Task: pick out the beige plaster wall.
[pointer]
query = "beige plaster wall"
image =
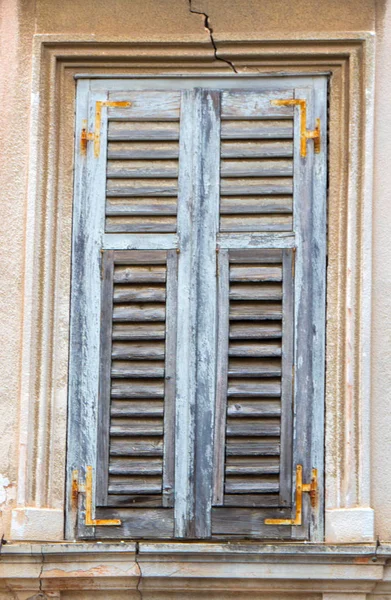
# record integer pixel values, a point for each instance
(16, 30)
(381, 357)
(171, 19)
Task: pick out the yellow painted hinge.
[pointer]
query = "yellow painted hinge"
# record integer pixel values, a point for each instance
(86, 488)
(86, 136)
(305, 134)
(311, 488)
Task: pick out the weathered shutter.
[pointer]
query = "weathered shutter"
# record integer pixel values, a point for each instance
(124, 311)
(269, 324)
(198, 294)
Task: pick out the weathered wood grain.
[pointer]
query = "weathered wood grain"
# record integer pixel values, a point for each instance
(139, 331)
(254, 311)
(140, 130)
(143, 293)
(137, 408)
(254, 330)
(252, 427)
(146, 105)
(254, 273)
(237, 485)
(134, 388)
(134, 350)
(231, 205)
(221, 375)
(116, 207)
(143, 311)
(256, 223)
(249, 186)
(252, 466)
(150, 485)
(104, 378)
(250, 522)
(253, 104)
(150, 187)
(250, 130)
(253, 367)
(265, 167)
(150, 149)
(252, 447)
(130, 427)
(255, 291)
(136, 447)
(132, 273)
(170, 379)
(129, 369)
(136, 466)
(255, 349)
(133, 224)
(128, 169)
(252, 149)
(254, 387)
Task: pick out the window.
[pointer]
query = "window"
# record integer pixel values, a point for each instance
(198, 306)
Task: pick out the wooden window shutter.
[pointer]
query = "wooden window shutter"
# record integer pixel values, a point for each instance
(198, 308)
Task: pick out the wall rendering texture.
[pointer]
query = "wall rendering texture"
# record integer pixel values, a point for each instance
(172, 20)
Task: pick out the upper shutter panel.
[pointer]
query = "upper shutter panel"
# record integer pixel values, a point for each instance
(256, 164)
(142, 164)
(137, 387)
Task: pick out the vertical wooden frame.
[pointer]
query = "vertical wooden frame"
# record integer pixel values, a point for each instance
(103, 438)
(310, 277)
(222, 358)
(287, 366)
(170, 378)
(88, 228)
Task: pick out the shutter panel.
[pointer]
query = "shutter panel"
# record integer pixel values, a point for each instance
(256, 166)
(266, 187)
(142, 164)
(253, 445)
(137, 385)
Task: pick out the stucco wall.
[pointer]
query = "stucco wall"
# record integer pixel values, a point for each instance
(381, 356)
(172, 20)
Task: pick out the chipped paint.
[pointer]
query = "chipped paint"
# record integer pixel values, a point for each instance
(4, 483)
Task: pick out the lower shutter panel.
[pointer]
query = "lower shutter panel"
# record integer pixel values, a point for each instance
(137, 382)
(254, 394)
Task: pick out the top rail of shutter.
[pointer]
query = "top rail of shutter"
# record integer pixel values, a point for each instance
(147, 106)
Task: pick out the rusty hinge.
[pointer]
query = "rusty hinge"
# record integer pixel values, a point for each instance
(86, 488)
(95, 136)
(305, 134)
(311, 488)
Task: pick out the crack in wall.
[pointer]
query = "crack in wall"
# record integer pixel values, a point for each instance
(212, 40)
(140, 573)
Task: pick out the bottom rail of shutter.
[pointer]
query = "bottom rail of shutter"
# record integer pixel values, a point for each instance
(136, 523)
(250, 522)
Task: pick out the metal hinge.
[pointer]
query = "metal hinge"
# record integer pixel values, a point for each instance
(86, 488)
(311, 488)
(305, 134)
(87, 136)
